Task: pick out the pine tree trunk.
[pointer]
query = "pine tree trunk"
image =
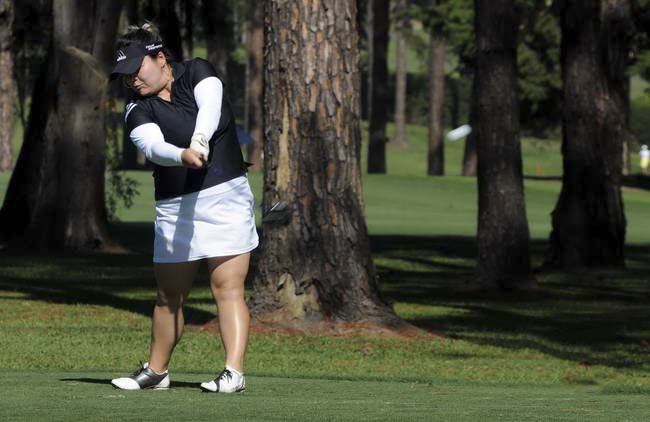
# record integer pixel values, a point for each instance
(470, 160)
(503, 237)
(401, 22)
(255, 84)
(378, 31)
(8, 90)
(436, 154)
(218, 34)
(185, 12)
(588, 220)
(55, 198)
(318, 266)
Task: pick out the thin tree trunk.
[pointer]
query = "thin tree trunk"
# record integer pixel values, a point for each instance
(378, 32)
(503, 237)
(132, 11)
(170, 28)
(588, 220)
(55, 198)
(626, 140)
(185, 12)
(401, 23)
(255, 84)
(317, 266)
(218, 25)
(8, 89)
(451, 85)
(470, 160)
(436, 154)
(132, 157)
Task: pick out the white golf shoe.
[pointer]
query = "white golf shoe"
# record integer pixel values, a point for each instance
(228, 381)
(143, 378)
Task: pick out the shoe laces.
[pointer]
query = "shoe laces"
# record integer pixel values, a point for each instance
(225, 375)
(139, 370)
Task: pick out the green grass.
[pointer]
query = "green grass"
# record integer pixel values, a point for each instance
(577, 350)
(280, 399)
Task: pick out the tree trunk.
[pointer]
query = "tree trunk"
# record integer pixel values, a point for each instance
(451, 84)
(436, 155)
(8, 89)
(55, 198)
(588, 220)
(185, 12)
(470, 159)
(219, 32)
(132, 157)
(401, 23)
(170, 28)
(503, 237)
(378, 32)
(132, 12)
(255, 84)
(317, 267)
(626, 140)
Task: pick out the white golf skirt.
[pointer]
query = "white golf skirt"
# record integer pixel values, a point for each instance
(217, 221)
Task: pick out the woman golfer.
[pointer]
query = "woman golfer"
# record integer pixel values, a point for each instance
(183, 123)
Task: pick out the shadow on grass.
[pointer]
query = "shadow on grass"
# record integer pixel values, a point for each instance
(590, 317)
(174, 384)
(96, 279)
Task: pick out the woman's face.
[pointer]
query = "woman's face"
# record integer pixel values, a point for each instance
(151, 78)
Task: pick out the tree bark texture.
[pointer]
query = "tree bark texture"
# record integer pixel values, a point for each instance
(8, 90)
(401, 24)
(378, 33)
(55, 198)
(436, 153)
(589, 220)
(318, 266)
(255, 84)
(503, 236)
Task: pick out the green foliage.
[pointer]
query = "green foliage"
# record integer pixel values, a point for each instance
(539, 81)
(538, 60)
(120, 188)
(640, 120)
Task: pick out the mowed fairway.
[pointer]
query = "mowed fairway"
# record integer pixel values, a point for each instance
(576, 350)
(72, 396)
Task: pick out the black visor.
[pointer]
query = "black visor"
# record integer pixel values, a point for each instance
(129, 59)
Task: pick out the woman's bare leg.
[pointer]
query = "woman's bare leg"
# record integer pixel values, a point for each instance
(174, 283)
(227, 275)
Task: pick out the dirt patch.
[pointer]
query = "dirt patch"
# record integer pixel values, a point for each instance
(339, 329)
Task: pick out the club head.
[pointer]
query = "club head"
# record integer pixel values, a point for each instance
(279, 213)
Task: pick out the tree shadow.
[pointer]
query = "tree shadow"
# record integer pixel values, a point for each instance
(594, 316)
(588, 316)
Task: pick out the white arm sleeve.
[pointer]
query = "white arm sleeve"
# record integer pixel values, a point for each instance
(150, 140)
(208, 94)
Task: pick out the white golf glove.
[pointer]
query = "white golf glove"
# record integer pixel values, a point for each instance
(200, 145)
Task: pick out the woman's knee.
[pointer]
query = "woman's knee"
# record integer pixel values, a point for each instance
(228, 291)
(171, 300)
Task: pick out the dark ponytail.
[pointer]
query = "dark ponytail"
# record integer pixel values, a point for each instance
(145, 34)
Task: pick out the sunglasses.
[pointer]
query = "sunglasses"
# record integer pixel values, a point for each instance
(129, 80)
